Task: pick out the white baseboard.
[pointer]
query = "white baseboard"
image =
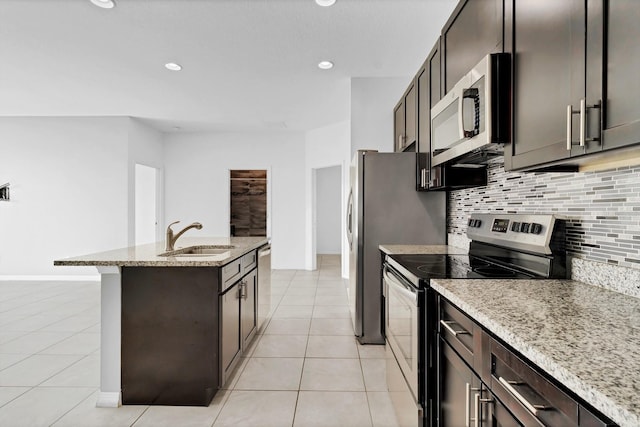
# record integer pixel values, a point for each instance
(24, 278)
(109, 399)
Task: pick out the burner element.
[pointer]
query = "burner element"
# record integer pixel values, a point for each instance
(493, 271)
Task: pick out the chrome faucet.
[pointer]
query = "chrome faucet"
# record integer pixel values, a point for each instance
(171, 238)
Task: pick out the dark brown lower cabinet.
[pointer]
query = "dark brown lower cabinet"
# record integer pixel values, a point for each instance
(184, 330)
(248, 308)
(169, 335)
(230, 338)
(482, 382)
(464, 398)
(497, 414)
(458, 387)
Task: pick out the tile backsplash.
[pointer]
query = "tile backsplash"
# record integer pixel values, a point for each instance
(602, 208)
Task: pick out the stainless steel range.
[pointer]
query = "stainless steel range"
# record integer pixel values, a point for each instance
(503, 246)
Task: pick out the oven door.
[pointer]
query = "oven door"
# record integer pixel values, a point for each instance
(402, 325)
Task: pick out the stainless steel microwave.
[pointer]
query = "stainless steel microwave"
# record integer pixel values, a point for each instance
(474, 117)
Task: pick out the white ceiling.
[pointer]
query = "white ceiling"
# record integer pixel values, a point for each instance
(247, 64)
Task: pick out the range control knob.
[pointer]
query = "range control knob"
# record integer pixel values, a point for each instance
(515, 227)
(535, 228)
(478, 223)
(524, 227)
(471, 222)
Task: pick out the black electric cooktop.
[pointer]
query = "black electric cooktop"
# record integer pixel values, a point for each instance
(433, 266)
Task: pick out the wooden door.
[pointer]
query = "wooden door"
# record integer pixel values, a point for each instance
(248, 214)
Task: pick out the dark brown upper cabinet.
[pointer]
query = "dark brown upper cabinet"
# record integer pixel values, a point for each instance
(546, 39)
(575, 86)
(428, 88)
(613, 61)
(474, 30)
(405, 120)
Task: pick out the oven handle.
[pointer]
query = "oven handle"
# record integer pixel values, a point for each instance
(404, 289)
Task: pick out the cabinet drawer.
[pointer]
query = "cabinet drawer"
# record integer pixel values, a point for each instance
(249, 262)
(458, 330)
(534, 399)
(230, 273)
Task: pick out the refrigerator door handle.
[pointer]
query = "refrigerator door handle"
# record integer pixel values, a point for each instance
(349, 219)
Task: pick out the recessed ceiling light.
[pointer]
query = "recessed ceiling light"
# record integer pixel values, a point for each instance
(105, 4)
(325, 65)
(173, 66)
(325, 3)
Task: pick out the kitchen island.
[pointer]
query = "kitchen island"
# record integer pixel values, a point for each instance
(162, 319)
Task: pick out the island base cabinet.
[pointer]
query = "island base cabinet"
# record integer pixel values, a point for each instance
(231, 344)
(169, 335)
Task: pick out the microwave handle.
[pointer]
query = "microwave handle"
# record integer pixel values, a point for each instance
(471, 93)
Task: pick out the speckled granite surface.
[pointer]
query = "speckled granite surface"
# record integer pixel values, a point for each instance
(147, 255)
(620, 279)
(421, 249)
(586, 337)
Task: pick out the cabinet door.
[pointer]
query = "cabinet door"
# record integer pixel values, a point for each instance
(546, 39)
(405, 119)
(428, 91)
(424, 110)
(248, 307)
(613, 61)
(435, 74)
(410, 116)
(230, 327)
(458, 386)
(398, 126)
(498, 415)
(473, 31)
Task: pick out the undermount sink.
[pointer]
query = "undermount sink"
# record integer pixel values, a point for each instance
(205, 250)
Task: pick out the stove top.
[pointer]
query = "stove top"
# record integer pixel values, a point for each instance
(432, 266)
(503, 246)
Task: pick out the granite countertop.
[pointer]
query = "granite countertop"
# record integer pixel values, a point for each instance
(147, 255)
(586, 337)
(422, 249)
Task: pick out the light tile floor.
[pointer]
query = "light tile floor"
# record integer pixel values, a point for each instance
(304, 368)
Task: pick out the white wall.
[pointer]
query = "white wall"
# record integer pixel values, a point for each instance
(328, 210)
(68, 188)
(372, 102)
(325, 147)
(197, 184)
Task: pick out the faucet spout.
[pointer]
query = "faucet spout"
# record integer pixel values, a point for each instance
(171, 237)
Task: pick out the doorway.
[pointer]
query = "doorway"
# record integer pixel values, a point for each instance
(146, 204)
(328, 215)
(248, 195)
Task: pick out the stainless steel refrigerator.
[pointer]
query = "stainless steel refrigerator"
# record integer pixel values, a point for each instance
(384, 208)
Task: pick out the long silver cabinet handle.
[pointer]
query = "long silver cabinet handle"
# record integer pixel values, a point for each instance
(451, 330)
(476, 401)
(569, 136)
(243, 290)
(570, 113)
(466, 406)
(583, 121)
(532, 408)
(467, 416)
